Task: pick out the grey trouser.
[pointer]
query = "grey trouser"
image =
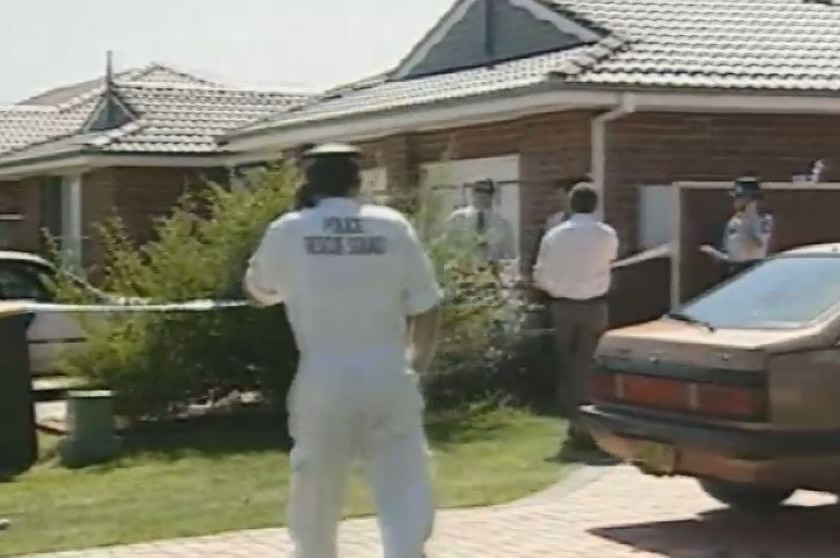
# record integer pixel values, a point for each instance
(578, 326)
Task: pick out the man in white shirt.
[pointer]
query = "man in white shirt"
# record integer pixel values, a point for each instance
(573, 269)
(494, 232)
(357, 284)
(561, 188)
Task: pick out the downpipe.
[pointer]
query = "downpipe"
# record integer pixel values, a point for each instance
(598, 163)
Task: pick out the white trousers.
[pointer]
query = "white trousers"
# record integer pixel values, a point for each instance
(380, 422)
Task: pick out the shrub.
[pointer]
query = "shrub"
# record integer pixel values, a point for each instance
(157, 363)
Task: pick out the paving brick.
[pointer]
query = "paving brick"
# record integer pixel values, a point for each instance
(620, 514)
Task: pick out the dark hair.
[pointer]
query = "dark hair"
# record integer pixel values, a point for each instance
(333, 176)
(584, 199)
(303, 197)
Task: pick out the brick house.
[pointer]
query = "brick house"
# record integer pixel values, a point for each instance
(642, 94)
(128, 144)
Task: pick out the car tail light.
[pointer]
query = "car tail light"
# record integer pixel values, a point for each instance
(653, 392)
(731, 402)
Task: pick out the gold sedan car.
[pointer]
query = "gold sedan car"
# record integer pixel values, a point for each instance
(739, 388)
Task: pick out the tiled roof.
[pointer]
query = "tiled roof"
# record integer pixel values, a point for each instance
(23, 126)
(175, 118)
(760, 45)
(728, 44)
(381, 94)
(185, 119)
(154, 72)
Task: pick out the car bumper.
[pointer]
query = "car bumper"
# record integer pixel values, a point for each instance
(797, 459)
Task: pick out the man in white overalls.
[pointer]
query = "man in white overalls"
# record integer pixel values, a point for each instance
(749, 233)
(357, 285)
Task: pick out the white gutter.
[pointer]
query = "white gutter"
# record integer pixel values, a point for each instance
(598, 152)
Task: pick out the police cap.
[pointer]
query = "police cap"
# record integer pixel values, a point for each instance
(747, 187)
(333, 150)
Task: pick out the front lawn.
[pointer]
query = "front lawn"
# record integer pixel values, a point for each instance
(191, 481)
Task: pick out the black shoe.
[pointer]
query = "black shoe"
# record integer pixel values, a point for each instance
(4, 524)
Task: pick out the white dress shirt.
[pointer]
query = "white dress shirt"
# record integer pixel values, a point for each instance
(554, 220)
(575, 258)
(349, 274)
(497, 236)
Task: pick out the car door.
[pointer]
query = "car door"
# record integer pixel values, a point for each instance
(50, 333)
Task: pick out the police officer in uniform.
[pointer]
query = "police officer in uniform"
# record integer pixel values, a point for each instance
(357, 284)
(748, 233)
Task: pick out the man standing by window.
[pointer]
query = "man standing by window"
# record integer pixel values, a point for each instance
(493, 232)
(573, 269)
(560, 197)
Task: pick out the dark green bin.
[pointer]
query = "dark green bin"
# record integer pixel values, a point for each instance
(18, 439)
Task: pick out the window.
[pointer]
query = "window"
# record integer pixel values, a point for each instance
(656, 215)
(450, 181)
(374, 185)
(8, 229)
(20, 281)
(782, 293)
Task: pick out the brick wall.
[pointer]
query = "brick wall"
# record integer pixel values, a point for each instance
(802, 216)
(551, 147)
(642, 149)
(137, 194)
(662, 148)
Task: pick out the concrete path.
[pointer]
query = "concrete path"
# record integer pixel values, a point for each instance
(615, 513)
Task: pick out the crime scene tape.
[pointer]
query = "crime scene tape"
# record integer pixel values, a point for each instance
(654, 253)
(188, 306)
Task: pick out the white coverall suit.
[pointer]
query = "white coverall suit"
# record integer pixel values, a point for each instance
(350, 275)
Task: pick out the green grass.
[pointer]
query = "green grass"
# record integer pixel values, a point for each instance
(187, 481)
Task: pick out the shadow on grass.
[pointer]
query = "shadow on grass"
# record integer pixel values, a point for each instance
(221, 436)
(209, 436)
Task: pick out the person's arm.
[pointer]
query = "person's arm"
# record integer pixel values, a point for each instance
(542, 269)
(421, 298)
(262, 280)
(424, 331)
(613, 245)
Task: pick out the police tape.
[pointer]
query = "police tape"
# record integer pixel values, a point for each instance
(188, 306)
(660, 252)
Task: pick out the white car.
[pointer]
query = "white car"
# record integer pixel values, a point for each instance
(25, 278)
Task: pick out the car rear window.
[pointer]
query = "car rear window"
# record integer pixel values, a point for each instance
(788, 292)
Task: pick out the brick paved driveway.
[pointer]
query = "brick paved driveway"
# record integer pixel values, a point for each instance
(617, 514)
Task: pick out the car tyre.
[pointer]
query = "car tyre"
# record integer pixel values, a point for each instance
(746, 497)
